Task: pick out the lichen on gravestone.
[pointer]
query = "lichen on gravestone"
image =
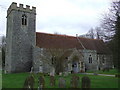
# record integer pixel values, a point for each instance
(61, 82)
(29, 83)
(75, 83)
(86, 82)
(52, 81)
(41, 81)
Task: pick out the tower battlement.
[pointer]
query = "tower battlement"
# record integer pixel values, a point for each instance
(14, 6)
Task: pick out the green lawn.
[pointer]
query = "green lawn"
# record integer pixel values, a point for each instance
(17, 80)
(0, 79)
(111, 72)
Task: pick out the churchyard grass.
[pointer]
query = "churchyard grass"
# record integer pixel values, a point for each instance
(111, 72)
(17, 81)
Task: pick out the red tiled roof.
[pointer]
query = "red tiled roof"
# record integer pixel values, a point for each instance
(44, 40)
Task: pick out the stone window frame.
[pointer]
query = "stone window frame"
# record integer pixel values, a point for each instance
(103, 59)
(24, 19)
(53, 59)
(90, 59)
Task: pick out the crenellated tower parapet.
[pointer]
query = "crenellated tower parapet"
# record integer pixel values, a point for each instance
(14, 6)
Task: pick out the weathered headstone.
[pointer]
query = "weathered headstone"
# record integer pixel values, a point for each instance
(60, 73)
(5, 71)
(31, 70)
(86, 82)
(52, 73)
(40, 69)
(41, 82)
(61, 82)
(75, 81)
(65, 73)
(52, 80)
(29, 83)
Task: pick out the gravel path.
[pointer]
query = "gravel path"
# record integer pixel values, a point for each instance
(99, 74)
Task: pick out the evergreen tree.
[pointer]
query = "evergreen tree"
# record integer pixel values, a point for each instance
(111, 24)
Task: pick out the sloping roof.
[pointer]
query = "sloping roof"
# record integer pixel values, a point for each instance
(44, 40)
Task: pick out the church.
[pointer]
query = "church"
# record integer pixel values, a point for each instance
(28, 50)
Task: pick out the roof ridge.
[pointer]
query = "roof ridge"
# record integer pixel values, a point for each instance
(47, 40)
(67, 36)
(56, 34)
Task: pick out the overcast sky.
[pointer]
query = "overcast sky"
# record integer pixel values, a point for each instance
(69, 17)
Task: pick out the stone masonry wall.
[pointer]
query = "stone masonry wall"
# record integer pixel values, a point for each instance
(41, 60)
(20, 39)
(94, 64)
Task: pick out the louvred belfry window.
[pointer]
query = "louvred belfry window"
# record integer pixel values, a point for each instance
(24, 19)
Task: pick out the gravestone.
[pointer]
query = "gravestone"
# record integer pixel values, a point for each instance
(29, 83)
(52, 73)
(52, 80)
(61, 82)
(31, 70)
(65, 73)
(40, 69)
(75, 81)
(60, 73)
(105, 69)
(41, 82)
(86, 82)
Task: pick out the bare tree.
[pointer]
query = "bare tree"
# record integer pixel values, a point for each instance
(3, 46)
(108, 23)
(89, 34)
(111, 25)
(56, 58)
(60, 59)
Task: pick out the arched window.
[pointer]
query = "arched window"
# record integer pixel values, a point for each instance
(103, 59)
(24, 19)
(53, 60)
(90, 59)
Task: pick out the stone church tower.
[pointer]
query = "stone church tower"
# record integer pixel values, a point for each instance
(21, 35)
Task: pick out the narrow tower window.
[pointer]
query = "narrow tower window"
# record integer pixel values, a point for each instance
(24, 19)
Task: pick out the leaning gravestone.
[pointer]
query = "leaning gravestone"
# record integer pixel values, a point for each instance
(75, 81)
(41, 82)
(61, 82)
(29, 83)
(52, 80)
(86, 82)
